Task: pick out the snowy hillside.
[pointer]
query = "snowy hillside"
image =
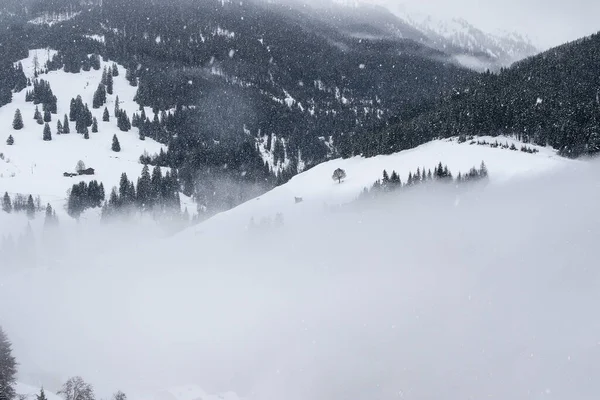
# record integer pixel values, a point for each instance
(34, 166)
(318, 191)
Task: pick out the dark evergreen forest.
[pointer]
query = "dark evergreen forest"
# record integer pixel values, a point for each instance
(229, 80)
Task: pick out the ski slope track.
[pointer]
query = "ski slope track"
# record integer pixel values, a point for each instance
(33, 166)
(318, 191)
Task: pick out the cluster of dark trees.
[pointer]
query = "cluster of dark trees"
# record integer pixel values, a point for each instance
(42, 94)
(83, 196)
(82, 116)
(123, 121)
(21, 203)
(496, 144)
(155, 193)
(439, 173)
(106, 86)
(12, 79)
(550, 99)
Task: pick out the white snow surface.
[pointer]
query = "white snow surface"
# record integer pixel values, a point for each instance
(319, 191)
(53, 18)
(33, 166)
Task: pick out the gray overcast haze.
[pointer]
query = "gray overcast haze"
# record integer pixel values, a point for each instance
(548, 23)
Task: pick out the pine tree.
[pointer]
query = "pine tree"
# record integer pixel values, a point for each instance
(8, 368)
(87, 115)
(95, 125)
(30, 207)
(86, 134)
(117, 107)
(116, 146)
(99, 96)
(144, 186)
(106, 116)
(104, 75)
(6, 203)
(49, 221)
(42, 395)
(10, 141)
(73, 111)
(18, 120)
(115, 70)
(47, 133)
(36, 115)
(109, 83)
(66, 128)
(483, 172)
(59, 128)
(47, 116)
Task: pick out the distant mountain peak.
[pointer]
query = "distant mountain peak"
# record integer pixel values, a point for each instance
(470, 45)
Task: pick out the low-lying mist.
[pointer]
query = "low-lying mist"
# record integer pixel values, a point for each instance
(488, 293)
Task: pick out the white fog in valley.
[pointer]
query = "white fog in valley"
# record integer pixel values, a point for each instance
(489, 291)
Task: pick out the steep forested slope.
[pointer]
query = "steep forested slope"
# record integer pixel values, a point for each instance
(552, 99)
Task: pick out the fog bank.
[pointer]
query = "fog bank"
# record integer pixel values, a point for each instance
(490, 291)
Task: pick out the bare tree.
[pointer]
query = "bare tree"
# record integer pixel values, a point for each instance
(339, 175)
(80, 166)
(77, 389)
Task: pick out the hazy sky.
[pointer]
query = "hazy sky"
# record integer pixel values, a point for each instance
(547, 22)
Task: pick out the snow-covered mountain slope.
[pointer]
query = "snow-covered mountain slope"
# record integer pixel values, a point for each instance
(34, 166)
(502, 48)
(318, 191)
(471, 46)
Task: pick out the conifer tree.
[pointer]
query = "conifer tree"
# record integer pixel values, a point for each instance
(99, 96)
(36, 115)
(87, 116)
(117, 107)
(86, 134)
(8, 368)
(115, 70)
(73, 111)
(47, 116)
(30, 207)
(109, 83)
(483, 172)
(66, 128)
(104, 74)
(10, 141)
(6, 203)
(144, 186)
(42, 395)
(59, 128)
(18, 120)
(47, 133)
(106, 116)
(94, 125)
(116, 146)
(49, 221)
